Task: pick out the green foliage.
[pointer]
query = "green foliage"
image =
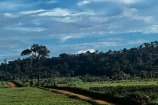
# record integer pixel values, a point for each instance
(139, 97)
(78, 82)
(140, 94)
(124, 64)
(3, 84)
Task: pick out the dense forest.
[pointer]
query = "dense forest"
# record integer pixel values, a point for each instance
(137, 62)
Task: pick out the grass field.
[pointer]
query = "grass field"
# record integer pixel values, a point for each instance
(3, 85)
(126, 83)
(35, 96)
(143, 91)
(76, 82)
(87, 85)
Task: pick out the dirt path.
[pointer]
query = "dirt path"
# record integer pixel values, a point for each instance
(11, 85)
(82, 96)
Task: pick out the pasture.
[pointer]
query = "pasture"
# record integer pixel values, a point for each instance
(143, 91)
(115, 83)
(76, 82)
(3, 85)
(35, 96)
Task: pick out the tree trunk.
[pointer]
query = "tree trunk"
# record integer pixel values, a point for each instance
(39, 67)
(38, 77)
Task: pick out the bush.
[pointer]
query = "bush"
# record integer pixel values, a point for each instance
(140, 98)
(140, 94)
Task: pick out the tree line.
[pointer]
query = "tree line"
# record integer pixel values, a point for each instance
(137, 62)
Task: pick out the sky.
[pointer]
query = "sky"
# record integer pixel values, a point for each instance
(75, 26)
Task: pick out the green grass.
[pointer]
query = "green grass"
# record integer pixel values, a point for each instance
(35, 96)
(77, 82)
(87, 85)
(96, 84)
(3, 85)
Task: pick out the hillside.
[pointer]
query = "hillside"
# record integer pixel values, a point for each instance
(140, 61)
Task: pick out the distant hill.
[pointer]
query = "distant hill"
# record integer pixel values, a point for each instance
(140, 61)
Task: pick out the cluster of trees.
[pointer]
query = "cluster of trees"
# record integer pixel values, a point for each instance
(140, 61)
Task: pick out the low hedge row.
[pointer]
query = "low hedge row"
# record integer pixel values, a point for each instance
(97, 95)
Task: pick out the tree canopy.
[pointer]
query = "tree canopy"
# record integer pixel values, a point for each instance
(36, 51)
(141, 61)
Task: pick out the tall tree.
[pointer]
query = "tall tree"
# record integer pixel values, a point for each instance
(37, 52)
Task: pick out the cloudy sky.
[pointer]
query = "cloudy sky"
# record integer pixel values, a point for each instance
(75, 26)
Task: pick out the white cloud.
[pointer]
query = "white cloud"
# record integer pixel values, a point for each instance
(128, 1)
(72, 17)
(20, 24)
(32, 11)
(99, 19)
(90, 19)
(139, 41)
(52, 1)
(9, 15)
(128, 12)
(83, 13)
(63, 39)
(67, 19)
(147, 19)
(97, 44)
(112, 39)
(84, 51)
(103, 19)
(151, 29)
(6, 5)
(132, 13)
(83, 47)
(83, 2)
(26, 29)
(64, 13)
(56, 12)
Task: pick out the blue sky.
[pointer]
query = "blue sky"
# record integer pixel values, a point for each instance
(75, 26)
